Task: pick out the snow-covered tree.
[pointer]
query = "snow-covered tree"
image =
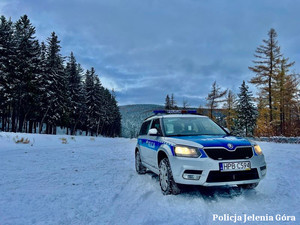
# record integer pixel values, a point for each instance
(57, 92)
(25, 81)
(246, 112)
(36, 89)
(7, 57)
(75, 90)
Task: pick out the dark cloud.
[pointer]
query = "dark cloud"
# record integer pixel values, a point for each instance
(147, 49)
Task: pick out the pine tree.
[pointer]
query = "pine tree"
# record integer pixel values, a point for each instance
(267, 67)
(7, 65)
(43, 85)
(173, 103)
(89, 100)
(167, 102)
(246, 113)
(214, 97)
(101, 115)
(26, 72)
(35, 87)
(96, 105)
(56, 85)
(75, 91)
(115, 122)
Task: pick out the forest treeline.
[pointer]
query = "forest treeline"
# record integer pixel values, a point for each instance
(41, 90)
(276, 109)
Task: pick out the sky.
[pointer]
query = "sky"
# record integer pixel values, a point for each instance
(146, 49)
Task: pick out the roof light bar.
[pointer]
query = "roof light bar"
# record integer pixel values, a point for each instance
(175, 111)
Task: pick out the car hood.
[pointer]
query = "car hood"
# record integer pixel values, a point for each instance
(213, 141)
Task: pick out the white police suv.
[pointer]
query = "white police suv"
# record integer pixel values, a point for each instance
(186, 148)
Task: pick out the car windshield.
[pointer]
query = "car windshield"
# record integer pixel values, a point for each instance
(191, 126)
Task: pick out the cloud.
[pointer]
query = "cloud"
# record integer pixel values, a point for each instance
(147, 49)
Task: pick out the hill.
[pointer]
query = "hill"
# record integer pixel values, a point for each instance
(133, 116)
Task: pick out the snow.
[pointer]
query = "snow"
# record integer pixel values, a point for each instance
(93, 181)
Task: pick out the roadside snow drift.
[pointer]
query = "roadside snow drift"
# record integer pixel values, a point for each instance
(86, 180)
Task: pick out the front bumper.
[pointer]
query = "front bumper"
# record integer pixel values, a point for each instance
(211, 175)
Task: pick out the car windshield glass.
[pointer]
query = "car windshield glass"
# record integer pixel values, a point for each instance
(191, 126)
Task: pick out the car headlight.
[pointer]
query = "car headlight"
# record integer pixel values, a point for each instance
(258, 150)
(186, 151)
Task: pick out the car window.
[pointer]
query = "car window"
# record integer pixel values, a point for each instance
(156, 124)
(145, 128)
(191, 126)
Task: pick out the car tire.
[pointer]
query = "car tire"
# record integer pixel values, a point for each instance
(166, 181)
(140, 169)
(248, 186)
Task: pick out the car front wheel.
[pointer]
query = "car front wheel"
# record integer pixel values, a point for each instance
(167, 183)
(140, 169)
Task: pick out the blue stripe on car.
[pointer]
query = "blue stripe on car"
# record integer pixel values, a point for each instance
(154, 145)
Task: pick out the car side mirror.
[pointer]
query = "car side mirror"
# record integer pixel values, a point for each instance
(153, 132)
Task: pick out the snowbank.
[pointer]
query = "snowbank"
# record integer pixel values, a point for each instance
(93, 181)
(280, 139)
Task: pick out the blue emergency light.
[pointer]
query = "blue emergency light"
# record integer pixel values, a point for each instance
(175, 112)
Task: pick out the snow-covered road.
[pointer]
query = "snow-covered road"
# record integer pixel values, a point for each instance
(93, 181)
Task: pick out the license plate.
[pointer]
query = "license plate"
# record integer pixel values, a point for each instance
(235, 166)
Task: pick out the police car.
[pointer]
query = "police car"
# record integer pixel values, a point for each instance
(186, 148)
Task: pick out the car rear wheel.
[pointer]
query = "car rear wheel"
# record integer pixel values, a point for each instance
(166, 181)
(248, 186)
(140, 169)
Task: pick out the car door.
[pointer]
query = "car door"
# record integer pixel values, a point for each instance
(154, 142)
(143, 141)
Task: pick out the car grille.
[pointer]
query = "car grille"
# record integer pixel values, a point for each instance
(222, 153)
(217, 176)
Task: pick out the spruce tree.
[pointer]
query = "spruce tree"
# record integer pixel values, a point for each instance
(35, 87)
(75, 91)
(167, 102)
(97, 111)
(116, 122)
(43, 84)
(56, 85)
(89, 100)
(173, 103)
(246, 112)
(26, 71)
(7, 66)
(101, 114)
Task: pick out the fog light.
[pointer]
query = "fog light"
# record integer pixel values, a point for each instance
(191, 176)
(263, 170)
